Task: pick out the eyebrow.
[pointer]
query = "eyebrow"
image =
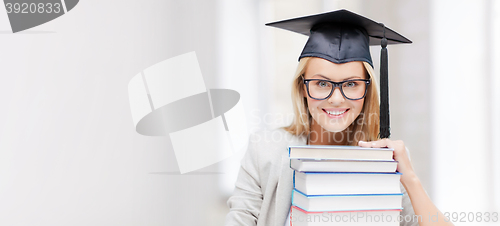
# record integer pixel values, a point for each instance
(326, 78)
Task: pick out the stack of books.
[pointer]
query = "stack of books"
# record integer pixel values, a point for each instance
(344, 185)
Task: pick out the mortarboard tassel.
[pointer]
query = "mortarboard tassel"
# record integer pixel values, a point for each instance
(385, 130)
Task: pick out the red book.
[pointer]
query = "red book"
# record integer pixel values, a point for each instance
(300, 217)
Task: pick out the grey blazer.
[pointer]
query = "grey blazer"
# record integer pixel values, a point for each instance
(263, 190)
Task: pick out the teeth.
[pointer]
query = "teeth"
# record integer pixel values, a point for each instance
(335, 112)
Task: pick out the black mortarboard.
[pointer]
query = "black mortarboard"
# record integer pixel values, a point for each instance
(342, 36)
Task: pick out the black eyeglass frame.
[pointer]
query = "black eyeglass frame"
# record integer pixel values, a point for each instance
(336, 84)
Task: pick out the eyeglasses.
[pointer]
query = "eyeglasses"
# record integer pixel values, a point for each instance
(320, 89)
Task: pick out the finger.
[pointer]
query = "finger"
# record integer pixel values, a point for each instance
(364, 144)
(374, 144)
(380, 143)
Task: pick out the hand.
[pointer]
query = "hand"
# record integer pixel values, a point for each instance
(404, 163)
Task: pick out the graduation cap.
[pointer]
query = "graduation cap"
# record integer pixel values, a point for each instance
(342, 36)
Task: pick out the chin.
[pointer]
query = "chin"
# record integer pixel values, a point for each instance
(334, 129)
(335, 125)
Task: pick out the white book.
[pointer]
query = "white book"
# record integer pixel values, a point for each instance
(339, 152)
(328, 183)
(329, 165)
(321, 203)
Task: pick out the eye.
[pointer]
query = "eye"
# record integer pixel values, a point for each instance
(322, 84)
(350, 84)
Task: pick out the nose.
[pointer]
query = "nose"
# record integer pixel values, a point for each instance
(336, 96)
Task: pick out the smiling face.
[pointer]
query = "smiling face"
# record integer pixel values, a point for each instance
(336, 113)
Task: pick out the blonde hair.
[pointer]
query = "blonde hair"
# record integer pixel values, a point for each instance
(365, 127)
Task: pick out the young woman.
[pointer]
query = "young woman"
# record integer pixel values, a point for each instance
(335, 102)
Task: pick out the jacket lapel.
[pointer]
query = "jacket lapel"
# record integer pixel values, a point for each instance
(285, 184)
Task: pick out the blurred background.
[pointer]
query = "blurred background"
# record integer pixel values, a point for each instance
(69, 153)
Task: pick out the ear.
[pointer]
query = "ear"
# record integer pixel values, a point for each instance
(303, 91)
(368, 68)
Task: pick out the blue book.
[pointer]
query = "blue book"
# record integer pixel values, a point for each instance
(337, 183)
(339, 152)
(346, 202)
(335, 165)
